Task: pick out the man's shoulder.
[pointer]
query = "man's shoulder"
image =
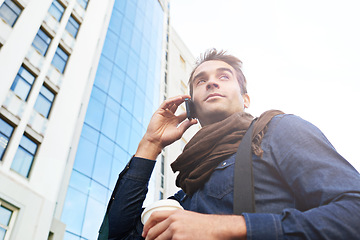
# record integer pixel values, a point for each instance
(287, 122)
(284, 126)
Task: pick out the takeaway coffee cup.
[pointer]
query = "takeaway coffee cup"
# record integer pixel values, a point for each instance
(162, 205)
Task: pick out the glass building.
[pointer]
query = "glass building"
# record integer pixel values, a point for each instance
(124, 95)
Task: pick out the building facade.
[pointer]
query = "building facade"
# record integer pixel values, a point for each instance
(80, 80)
(47, 58)
(124, 95)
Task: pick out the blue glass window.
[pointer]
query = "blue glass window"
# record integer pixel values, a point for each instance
(5, 216)
(5, 134)
(80, 182)
(98, 192)
(70, 236)
(90, 133)
(83, 3)
(44, 101)
(94, 114)
(109, 48)
(10, 11)
(56, 10)
(23, 83)
(102, 167)
(92, 219)
(60, 59)
(74, 210)
(24, 156)
(85, 157)
(116, 84)
(41, 42)
(110, 121)
(72, 26)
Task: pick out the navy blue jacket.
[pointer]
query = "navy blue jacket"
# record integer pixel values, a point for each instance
(304, 189)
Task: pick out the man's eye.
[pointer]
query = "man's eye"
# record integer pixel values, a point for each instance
(224, 77)
(200, 81)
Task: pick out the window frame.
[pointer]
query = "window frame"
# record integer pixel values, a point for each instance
(45, 97)
(8, 140)
(37, 36)
(59, 56)
(13, 217)
(80, 2)
(26, 150)
(72, 19)
(13, 86)
(57, 8)
(17, 15)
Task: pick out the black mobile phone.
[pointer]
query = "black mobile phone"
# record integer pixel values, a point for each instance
(190, 109)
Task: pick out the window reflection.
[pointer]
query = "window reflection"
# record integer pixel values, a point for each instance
(85, 157)
(10, 12)
(60, 59)
(23, 83)
(5, 217)
(102, 167)
(74, 210)
(56, 10)
(92, 220)
(109, 124)
(44, 101)
(80, 182)
(72, 26)
(24, 157)
(41, 42)
(94, 114)
(98, 192)
(83, 3)
(70, 236)
(6, 131)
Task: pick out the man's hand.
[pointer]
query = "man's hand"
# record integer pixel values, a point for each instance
(181, 224)
(164, 128)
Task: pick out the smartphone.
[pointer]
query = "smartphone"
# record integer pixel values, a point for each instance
(190, 108)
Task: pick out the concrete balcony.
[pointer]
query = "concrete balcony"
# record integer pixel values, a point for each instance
(79, 11)
(68, 40)
(38, 122)
(14, 104)
(23, 3)
(51, 24)
(35, 58)
(5, 31)
(54, 76)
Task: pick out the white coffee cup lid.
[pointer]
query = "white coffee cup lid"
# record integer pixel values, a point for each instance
(164, 204)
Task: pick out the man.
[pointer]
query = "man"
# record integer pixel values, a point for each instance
(303, 188)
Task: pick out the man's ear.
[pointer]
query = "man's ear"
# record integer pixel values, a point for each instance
(246, 98)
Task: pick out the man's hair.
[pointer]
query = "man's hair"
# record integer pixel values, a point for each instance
(213, 54)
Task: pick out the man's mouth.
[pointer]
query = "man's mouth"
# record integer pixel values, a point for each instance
(213, 95)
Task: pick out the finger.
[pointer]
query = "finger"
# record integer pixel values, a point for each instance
(165, 235)
(167, 104)
(173, 108)
(156, 232)
(154, 219)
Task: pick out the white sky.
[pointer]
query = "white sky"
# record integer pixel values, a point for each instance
(301, 57)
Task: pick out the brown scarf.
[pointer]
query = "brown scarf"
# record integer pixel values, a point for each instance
(214, 143)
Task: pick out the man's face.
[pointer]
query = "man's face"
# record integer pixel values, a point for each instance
(216, 92)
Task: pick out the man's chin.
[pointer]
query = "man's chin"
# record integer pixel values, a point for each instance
(212, 116)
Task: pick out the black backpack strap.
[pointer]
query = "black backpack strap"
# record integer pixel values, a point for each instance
(244, 200)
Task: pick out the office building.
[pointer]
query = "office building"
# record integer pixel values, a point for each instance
(80, 80)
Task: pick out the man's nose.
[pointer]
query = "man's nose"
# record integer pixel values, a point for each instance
(212, 84)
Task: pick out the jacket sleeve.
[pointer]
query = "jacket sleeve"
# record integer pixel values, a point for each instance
(325, 186)
(123, 216)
